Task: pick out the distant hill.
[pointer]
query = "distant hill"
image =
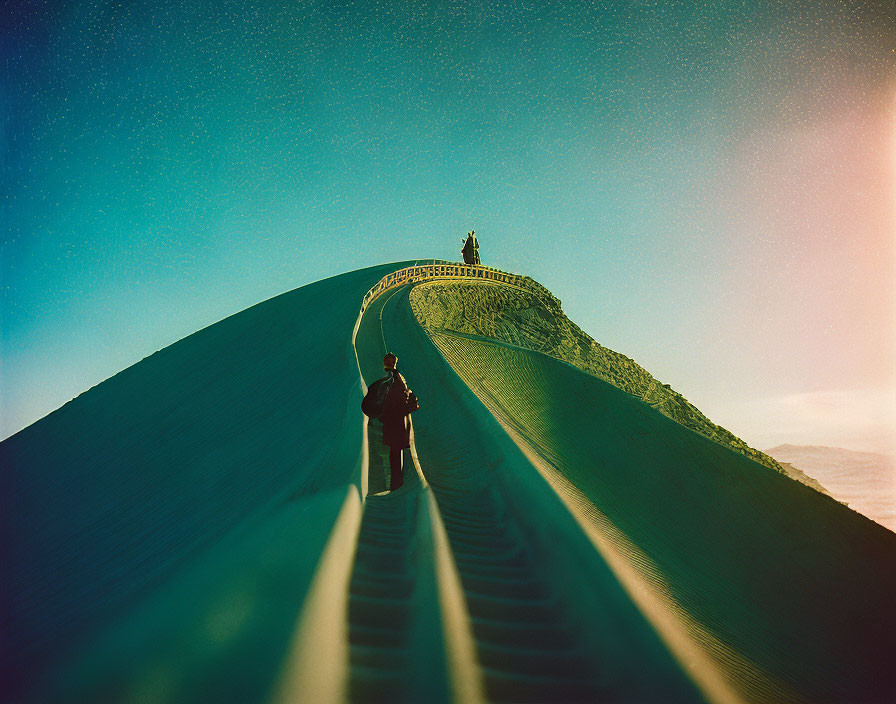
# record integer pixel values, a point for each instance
(865, 481)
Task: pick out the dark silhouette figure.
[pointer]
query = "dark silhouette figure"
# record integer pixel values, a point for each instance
(471, 249)
(396, 419)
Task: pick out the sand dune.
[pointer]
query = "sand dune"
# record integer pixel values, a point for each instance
(212, 525)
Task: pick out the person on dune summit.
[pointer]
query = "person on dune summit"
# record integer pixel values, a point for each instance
(396, 419)
(470, 251)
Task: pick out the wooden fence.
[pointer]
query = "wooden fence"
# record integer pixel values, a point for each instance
(441, 269)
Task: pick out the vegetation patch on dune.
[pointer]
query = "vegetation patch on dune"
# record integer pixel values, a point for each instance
(537, 322)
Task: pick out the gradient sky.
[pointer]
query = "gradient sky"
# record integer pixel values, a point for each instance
(709, 187)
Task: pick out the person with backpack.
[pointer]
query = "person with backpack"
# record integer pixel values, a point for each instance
(391, 401)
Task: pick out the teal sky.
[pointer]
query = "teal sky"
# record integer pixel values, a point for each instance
(709, 187)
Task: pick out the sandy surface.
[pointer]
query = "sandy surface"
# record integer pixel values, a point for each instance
(213, 524)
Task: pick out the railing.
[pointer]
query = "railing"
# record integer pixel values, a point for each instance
(441, 269)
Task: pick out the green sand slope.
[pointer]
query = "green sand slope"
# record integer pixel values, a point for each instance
(789, 592)
(534, 320)
(158, 528)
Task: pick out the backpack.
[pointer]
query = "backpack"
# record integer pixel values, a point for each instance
(375, 398)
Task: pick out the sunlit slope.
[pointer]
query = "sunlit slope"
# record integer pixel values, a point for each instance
(787, 591)
(159, 531)
(550, 621)
(536, 321)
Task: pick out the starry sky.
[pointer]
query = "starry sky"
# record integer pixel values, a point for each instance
(709, 187)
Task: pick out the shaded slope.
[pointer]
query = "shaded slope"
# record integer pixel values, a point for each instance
(550, 621)
(114, 505)
(787, 590)
(537, 322)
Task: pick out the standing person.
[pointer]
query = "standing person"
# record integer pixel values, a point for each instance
(471, 249)
(396, 419)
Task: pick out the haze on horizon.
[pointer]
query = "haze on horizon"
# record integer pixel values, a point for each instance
(708, 189)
